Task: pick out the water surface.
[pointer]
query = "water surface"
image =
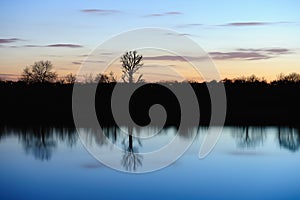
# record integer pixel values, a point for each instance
(246, 163)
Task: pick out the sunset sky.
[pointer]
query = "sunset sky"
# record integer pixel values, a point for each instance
(242, 37)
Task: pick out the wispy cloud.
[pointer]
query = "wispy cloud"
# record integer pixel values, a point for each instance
(76, 63)
(65, 45)
(87, 61)
(276, 51)
(173, 58)
(254, 23)
(32, 45)
(107, 53)
(165, 57)
(234, 24)
(246, 24)
(189, 25)
(180, 34)
(83, 55)
(101, 11)
(56, 45)
(9, 40)
(163, 74)
(172, 13)
(10, 46)
(250, 54)
(238, 55)
(94, 61)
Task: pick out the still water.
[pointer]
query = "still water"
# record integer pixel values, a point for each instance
(246, 163)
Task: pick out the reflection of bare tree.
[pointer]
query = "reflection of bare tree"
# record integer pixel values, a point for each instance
(111, 133)
(94, 135)
(131, 159)
(66, 134)
(249, 137)
(41, 141)
(40, 144)
(289, 138)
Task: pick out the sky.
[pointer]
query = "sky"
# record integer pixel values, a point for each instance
(241, 37)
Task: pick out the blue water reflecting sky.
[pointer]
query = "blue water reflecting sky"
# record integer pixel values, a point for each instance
(253, 163)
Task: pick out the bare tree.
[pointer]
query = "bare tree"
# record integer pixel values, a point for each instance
(280, 77)
(293, 77)
(39, 72)
(26, 75)
(290, 78)
(131, 63)
(101, 78)
(104, 78)
(255, 79)
(112, 77)
(70, 78)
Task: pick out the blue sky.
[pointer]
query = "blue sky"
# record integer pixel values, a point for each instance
(243, 37)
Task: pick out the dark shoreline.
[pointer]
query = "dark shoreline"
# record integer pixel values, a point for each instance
(257, 104)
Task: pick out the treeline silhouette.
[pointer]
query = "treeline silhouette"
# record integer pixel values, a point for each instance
(250, 101)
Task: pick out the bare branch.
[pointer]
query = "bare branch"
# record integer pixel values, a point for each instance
(131, 63)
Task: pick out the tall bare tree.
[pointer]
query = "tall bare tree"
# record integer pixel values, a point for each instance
(131, 63)
(39, 72)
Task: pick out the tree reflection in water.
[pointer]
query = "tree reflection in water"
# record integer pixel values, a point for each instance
(41, 141)
(40, 144)
(131, 158)
(289, 138)
(249, 137)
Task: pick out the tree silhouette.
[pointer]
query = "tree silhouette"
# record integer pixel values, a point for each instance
(246, 79)
(70, 78)
(287, 79)
(104, 78)
(293, 77)
(131, 63)
(40, 72)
